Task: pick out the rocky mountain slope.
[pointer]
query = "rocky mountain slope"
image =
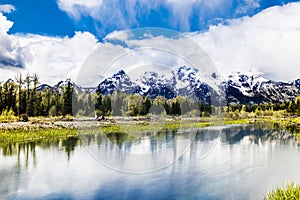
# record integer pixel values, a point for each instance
(186, 81)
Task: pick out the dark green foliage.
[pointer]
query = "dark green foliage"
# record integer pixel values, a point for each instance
(67, 100)
(176, 110)
(23, 98)
(146, 105)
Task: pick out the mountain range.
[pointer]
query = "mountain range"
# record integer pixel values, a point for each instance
(186, 81)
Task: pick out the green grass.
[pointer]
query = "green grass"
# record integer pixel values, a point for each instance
(35, 134)
(22, 135)
(292, 124)
(236, 121)
(148, 127)
(290, 192)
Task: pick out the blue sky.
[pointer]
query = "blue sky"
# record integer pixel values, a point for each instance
(54, 37)
(46, 17)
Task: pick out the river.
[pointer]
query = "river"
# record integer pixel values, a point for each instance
(225, 162)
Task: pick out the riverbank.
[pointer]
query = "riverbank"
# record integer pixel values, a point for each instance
(41, 128)
(77, 123)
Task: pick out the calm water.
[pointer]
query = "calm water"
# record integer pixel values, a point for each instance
(233, 162)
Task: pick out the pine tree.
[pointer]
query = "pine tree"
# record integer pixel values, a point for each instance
(35, 101)
(20, 82)
(146, 105)
(28, 100)
(67, 100)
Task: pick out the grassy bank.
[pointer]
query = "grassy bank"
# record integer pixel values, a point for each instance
(290, 192)
(22, 135)
(40, 128)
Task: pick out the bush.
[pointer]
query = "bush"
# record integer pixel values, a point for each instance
(291, 192)
(8, 116)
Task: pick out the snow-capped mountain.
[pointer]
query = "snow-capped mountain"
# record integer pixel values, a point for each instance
(241, 88)
(186, 81)
(59, 85)
(119, 81)
(297, 83)
(65, 83)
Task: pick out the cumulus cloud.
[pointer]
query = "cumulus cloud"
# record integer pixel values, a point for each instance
(10, 52)
(268, 42)
(55, 59)
(52, 58)
(7, 8)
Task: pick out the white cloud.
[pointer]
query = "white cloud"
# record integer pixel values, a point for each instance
(5, 24)
(78, 7)
(181, 10)
(55, 59)
(268, 42)
(52, 58)
(10, 52)
(7, 8)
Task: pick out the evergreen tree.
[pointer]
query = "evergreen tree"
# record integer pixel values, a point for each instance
(20, 82)
(117, 102)
(27, 103)
(67, 99)
(176, 110)
(35, 99)
(146, 105)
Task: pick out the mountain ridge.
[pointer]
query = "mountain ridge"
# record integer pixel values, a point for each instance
(187, 81)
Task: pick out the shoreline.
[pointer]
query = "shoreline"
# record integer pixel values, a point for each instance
(47, 128)
(76, 123)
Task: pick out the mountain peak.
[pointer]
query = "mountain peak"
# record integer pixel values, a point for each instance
(119, 73)
(239, 87)
(119, 81)
(65, 83)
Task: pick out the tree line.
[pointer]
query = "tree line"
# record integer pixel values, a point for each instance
(22, 97)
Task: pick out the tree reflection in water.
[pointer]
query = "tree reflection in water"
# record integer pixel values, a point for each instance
(256, 133)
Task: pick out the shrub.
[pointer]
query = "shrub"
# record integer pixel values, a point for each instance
(8, 116)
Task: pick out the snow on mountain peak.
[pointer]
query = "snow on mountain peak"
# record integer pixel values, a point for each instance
(187, 81)
(246, 83)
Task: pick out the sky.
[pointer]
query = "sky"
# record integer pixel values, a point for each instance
(55, 38)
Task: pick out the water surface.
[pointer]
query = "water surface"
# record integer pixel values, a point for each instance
(233, 162)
